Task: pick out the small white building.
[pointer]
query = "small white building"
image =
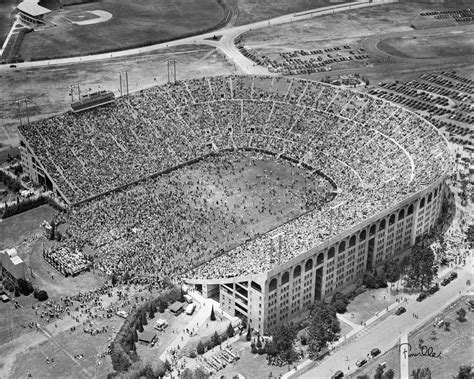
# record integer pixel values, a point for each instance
(11, 264)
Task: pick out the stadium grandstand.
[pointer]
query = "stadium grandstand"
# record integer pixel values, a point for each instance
(388, 166)
(32, 14)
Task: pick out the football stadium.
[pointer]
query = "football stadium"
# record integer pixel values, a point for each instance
(365, 179)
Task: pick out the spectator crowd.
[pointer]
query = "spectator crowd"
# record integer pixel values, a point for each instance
(144, 216)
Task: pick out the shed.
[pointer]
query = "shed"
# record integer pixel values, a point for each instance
(176, 308)
(146, 337)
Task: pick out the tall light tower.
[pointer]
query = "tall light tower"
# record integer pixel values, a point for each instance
(23, 102)
(123, 78)
(171, 63)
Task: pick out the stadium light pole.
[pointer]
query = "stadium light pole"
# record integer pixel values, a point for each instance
(336, 207)
(123, 78)
(171, 64)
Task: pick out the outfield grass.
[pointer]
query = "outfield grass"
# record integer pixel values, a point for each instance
(133, 23)
(455, 345)
(430, 46)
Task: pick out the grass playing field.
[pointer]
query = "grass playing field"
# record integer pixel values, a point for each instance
(133, 23)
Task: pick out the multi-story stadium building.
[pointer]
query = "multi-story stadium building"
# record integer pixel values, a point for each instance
(388, 166)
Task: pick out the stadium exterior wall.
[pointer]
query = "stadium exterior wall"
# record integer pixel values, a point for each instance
(337, 265)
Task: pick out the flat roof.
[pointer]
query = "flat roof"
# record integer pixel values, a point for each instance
(32, 8)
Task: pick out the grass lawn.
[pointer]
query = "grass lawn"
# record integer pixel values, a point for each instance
(16, 229)
(257, 10)
(391, 359)
(368, 303)
(250, 365)
(455, 345)
(133, 23)
(7, 8)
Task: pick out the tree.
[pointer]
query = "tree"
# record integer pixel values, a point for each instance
(42, 295)
(143, 317)
(369, 281)
(259, 343)
(340, 302)
(421, 373)
(248, 337)
(465, 372)
(324, 327)
(199, 373)
(282, 344)
(379, 372)
(392, 270)
(152, 311)
(200, 348)
(162, 306)
(461, 315)
(17, 291)
(390, 374)
(213, 316)
(230, 331)
(187, 374)
(140, 325)
(215, 339)
(447, 324)
(423, 268)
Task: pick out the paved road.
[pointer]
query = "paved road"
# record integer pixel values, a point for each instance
(388, 332)
(225, 44)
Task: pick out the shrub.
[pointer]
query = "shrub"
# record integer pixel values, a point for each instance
(192, 354)
(42, 295)
(230, 331)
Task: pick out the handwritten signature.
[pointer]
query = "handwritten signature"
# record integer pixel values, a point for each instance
(425, 351)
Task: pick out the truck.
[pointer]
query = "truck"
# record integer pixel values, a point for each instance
(190, 309)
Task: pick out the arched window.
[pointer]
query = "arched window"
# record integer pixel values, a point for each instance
(273, 284)
(331, 252)
(308, 265)
(391, 220)
(362, 235)
(352, 241)
(429, 198)
(382, 225)
(285, 278)
(320, 259)
(297, 271)
(372, 230)
(410, 209)
(422, 203)
(342, 246)
(401, 214)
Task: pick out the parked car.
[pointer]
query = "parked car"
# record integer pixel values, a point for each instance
(361, 362)
(422, 296)
(445, 282)
(434, 288)
(400, 310)
(338, 375)
(453, 275)
(375, 351)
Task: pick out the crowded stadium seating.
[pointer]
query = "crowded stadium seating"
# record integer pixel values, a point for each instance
(375, 152)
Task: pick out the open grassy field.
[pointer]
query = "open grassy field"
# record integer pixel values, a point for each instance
(7, 8)
(250, 11)
(133, 23)
(454, 345)
(48, 86)
(430, 45)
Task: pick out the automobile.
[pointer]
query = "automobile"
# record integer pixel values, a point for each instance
(13, 66)
(400, 310)
(453, 275)
(337, 375)
(421, 296)
(434, 288)
(445, 282)
(361, 362)
(375, 351)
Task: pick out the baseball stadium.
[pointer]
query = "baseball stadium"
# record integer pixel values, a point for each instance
(266, 193)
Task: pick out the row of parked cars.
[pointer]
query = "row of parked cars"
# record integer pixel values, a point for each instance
(360, 362)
